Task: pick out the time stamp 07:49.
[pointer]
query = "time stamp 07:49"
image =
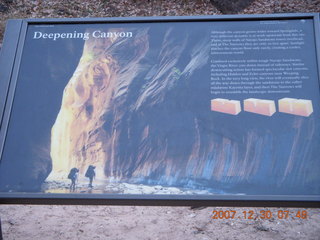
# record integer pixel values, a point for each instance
(262, 214)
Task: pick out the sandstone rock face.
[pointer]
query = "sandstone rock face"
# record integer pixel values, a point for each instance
(78, 135)
(139, 110)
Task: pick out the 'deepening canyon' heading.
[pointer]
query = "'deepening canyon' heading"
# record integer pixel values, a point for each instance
(81, 35)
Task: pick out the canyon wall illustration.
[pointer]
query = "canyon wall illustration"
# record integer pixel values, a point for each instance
(139, 110)
(139, 107)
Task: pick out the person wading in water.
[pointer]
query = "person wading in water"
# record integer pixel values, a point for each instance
(90, 173)
(73, 176)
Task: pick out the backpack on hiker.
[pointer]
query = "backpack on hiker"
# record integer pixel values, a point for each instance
(90, 172)
(73, 173)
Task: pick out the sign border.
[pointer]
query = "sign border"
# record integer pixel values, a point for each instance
(10, 59)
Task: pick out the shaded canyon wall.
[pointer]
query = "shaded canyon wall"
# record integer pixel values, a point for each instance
(139, 110)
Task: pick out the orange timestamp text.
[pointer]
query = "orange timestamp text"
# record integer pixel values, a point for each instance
(262, 214)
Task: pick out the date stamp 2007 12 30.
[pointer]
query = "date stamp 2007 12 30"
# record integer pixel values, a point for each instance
(262, 214)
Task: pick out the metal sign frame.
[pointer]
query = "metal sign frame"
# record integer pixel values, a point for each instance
(10, 60)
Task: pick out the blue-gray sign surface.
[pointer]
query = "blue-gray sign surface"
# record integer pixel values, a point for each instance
(185, 108)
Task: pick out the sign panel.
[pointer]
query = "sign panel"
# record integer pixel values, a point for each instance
(195, 109)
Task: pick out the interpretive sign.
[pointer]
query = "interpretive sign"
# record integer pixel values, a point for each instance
(174, 110)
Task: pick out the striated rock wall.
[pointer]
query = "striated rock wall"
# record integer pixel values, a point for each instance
(78, 138)
(141, 113)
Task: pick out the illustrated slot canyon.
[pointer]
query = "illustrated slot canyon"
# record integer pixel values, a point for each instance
(136, 104)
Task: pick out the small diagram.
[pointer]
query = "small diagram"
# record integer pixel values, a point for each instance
(259, 106)
(226, 106)
(300, 107)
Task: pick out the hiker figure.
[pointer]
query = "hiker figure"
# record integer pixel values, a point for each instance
(90, 174)
(73, 176)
